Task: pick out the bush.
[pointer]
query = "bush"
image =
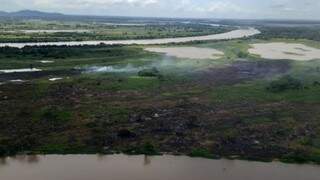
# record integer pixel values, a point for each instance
(3, 150)
(55, 116)
(146, 149)
(242, 54)
(285, 83)
(149, 149)
(202, 153)
(125, 133)
(153, 72)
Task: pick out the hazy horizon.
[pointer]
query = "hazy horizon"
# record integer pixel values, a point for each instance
(231, 9)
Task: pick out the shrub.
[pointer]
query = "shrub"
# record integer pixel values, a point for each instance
(242, 54)
(153, 72)
(285, 83)
(149, 149)
(202, 153)
(53, 115)
(125, 133)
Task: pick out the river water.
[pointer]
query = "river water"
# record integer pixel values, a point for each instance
(240, 33)
(122, 167)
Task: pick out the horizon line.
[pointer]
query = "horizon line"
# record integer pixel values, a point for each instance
(163, 17)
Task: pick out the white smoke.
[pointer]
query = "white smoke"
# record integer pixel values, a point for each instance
(114, 69)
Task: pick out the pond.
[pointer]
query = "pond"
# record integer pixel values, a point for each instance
(122, 167)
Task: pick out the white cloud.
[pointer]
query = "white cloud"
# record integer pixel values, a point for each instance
(91, 3)
(175, 8)
(209, 7)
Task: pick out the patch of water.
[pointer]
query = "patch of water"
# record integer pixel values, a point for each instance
(19, 70)
(189, 52)
(55, 79)
(17, 80)
(47, 62)
(122, 167)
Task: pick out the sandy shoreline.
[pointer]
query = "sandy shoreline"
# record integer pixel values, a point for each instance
(281, 50)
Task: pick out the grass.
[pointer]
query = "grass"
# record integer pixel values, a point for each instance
(232, 49)
(257, 92)
(202, 153)
(146, 149)
(54, 114)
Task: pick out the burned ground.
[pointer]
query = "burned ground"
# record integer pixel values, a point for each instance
(86, 116)
(244, 70)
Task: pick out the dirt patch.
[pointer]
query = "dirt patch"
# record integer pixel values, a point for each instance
(189, 52)
(280, 50)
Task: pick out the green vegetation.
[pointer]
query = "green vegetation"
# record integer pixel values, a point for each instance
(153, 72)
(146, 149)
(62, 57)
(202, 153)
(232, 49)
(308, 32)
(26, 31)
(285, 83)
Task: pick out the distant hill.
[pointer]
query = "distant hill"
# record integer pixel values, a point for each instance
(30, 13)
(2, 13)
(33, 14)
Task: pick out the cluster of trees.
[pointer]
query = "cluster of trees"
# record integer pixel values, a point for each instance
(61, 52)
(311, 33)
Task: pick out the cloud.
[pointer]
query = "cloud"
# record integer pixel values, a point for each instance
(293, 9)
(175, 8)
(290, 5)
(78, 4)
(208, 7)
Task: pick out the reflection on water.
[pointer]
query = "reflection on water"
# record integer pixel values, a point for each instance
(147, 160)
(3, 161)
(22, 159)
(122, 167)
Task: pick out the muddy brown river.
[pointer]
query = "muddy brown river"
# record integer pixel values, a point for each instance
(122, 167)
(239, 33)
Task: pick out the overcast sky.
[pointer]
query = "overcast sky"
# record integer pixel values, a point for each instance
(280, 9)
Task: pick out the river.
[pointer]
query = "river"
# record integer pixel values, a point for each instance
(235, 34)
(122, 167)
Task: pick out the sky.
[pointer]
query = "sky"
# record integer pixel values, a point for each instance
(242, 9)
